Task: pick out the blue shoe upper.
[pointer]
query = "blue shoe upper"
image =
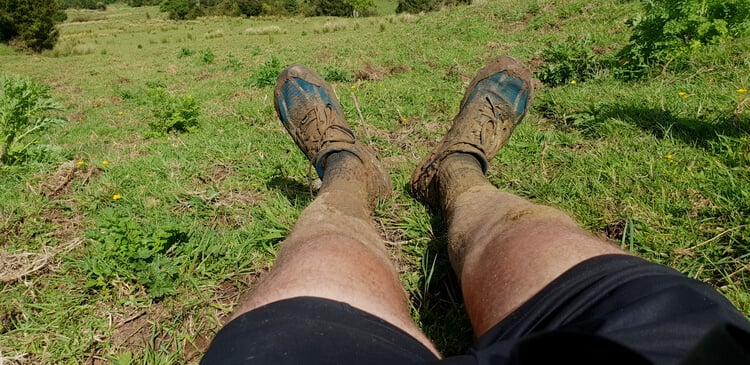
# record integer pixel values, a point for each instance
(504, 87)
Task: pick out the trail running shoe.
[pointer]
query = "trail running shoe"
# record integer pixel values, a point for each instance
(311, 113)
(495, 102)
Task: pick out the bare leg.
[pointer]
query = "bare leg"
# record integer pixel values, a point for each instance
(334, 252)
(503, 248)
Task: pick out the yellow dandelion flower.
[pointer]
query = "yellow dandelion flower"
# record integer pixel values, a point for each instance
(668, 156)
(116, 197)
(574, 82)
(105, 163)
(741, 91)
(121, 113)
(683, 94)
(80, 163)
(354, 87)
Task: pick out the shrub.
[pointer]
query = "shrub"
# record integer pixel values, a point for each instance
(344, 8)
(207, 56)
(266, 75)
(85, 4)
(181, 9)
(671, 30)
(172, 113)
(30, 24)
(24, 116)
(418, 6)
(337, 75)
(233, 63)
(137, 3)
(185, 52)
(251, 7)
(571, 60)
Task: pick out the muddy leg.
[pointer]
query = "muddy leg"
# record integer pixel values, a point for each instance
(334, 252)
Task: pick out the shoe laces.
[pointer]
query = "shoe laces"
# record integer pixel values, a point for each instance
(493, 114)
(495, 110)
(327, 127)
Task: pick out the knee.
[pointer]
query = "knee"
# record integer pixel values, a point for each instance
(533, 213)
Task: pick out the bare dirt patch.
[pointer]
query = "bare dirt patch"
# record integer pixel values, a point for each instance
(699, 203)
(370, 72)
(206, 76)
(67, 88)
(134, 330)
(400, 68)
(216, 174)
(225, 295)
(14, 266)
(614, 231)
(77, 116)
(192, 325)
(59, 182)
(17, 359)
(121, 81)
(62, 233)
(64, 236)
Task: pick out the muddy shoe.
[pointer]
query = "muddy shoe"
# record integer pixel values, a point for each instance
(495, 102)
(310, 112)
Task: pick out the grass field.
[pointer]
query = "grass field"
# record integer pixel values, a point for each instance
(125, 245)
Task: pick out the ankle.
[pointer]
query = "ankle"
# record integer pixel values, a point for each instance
(340, 160)
(344, 171)
(462, 161)
(458, 173)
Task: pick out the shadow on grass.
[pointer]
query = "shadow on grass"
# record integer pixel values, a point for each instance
(297, 193)
(663, 124)
(440, 305)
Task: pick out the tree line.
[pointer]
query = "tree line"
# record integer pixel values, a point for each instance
(29, 25)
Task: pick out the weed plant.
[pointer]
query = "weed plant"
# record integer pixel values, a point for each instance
(670, 31)
(206, 57)
(185, 52)
(233, 63)
(125, 253)
(25, 116)
(572, 60)
(172, 113)
(337, 75)
(266, 74)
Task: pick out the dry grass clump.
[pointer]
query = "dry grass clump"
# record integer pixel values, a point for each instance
(265, 30)
(14, 266)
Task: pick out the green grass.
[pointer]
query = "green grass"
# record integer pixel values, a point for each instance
(665, 177)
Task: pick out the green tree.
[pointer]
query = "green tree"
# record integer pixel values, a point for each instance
(417, 6)
(344, 7)
(137, 3)
(251, 7)
(237, 7)
(85, 4)
(30, 24)
(181, 9)
(333, 8)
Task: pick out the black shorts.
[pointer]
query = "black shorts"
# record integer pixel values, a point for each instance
(612, 309)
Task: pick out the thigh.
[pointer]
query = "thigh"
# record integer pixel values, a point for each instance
(629, 302)
(308, 330)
